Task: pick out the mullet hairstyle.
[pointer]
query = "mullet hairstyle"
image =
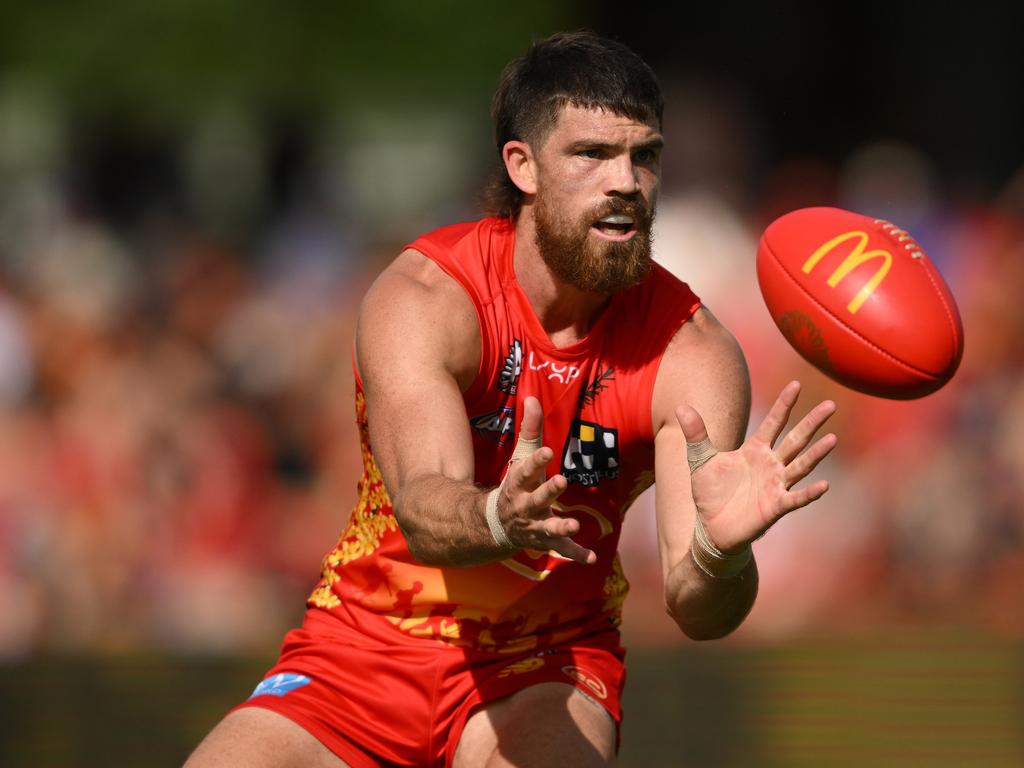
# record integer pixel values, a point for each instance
(578, 68)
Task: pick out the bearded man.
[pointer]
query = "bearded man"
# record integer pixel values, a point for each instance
(521, 379)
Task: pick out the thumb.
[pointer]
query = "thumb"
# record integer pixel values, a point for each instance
(693, 425)
(533, 420)
(699, 449)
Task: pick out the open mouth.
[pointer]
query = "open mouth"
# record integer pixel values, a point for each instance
(616, 227)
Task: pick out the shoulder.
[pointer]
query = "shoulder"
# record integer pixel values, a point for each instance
(704, 338)
(453, 240)
(704, 366)
(415, 309)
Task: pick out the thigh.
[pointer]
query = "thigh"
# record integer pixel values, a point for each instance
(548, 724)
(259, 738)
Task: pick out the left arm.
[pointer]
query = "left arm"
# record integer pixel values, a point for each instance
(703, 391)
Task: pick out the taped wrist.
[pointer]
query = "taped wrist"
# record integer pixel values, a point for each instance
(522, 450)
(698, 454)
(491, 513)
(712, 560)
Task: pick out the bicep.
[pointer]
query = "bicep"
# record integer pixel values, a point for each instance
(416, 341)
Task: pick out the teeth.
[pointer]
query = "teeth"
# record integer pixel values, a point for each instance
(617, 219)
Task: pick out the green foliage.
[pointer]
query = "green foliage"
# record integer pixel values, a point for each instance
(171, 57)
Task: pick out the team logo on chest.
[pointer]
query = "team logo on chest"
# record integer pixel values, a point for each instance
(508, 378)
(499, 424)
(591, 453)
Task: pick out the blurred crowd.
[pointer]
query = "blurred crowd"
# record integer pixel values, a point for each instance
(177, 446)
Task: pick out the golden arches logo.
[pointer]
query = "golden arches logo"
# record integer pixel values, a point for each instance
(855, 258)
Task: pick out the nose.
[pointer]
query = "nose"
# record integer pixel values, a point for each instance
(622, 176)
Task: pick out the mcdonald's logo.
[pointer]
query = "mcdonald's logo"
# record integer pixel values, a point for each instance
(855, 258)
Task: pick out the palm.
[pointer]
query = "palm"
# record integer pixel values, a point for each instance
(740, 494)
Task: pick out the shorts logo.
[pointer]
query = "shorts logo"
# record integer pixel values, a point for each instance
(496, 424)
(591, 453)
(280, 684)
(588, 680)
(508, 379)
(521, 667)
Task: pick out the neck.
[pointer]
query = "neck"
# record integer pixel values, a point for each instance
(565, 312)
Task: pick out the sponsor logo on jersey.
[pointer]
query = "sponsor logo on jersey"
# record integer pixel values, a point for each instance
(563, 374)
(280, 684)
(591, 453)
(508, 379)
(496, 424)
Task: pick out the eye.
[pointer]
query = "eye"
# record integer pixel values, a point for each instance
(590, 154)
(645, 156)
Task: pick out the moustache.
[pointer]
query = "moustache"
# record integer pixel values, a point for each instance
(641, 214)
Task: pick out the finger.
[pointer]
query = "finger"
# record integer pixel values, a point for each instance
(801, 435)
(804, 496)
(699, 449)
(773, 424)
(566, 547)
(570, 549)
(553, 533)
(528, 474)
(805, 463)
(693, 425)
(556, 527)
(533, 420)
(546, 495)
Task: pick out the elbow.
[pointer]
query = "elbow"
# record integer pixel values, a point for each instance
(704, 630)
(712, 615)
(421, 551)
(417, 547)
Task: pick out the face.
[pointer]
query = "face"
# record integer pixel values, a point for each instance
(597, 177)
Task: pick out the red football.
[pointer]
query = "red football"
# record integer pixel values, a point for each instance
(861, 301)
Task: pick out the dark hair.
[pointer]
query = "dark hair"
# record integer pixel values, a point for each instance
(578, 68)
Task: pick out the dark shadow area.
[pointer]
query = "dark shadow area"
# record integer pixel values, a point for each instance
(689, 708)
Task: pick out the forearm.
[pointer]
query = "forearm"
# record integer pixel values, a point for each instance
(705, 607)
(443, 522)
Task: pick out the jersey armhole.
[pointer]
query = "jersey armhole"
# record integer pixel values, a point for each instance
(656, 369)
(485, 351)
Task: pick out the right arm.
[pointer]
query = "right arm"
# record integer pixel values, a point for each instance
(418, 349)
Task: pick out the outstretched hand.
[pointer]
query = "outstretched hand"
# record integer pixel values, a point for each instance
(740, 494)
(525, 498)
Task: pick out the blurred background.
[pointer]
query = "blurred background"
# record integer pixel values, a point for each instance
(193, 198)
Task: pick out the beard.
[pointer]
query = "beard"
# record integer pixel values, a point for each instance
(577, 258)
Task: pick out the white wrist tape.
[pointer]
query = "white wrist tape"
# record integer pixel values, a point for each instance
(712, 560)
(491, 513)
(521, 451)
(697, 454)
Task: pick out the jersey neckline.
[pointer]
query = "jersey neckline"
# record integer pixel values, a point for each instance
(537, 335)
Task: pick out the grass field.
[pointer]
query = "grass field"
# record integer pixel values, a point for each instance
(912, 700)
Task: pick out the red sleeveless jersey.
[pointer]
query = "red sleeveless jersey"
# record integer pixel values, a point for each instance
(596, 398)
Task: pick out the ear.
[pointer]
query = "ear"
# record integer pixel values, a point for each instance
(521, 166)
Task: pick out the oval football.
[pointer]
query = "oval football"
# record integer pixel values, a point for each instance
(861, 301)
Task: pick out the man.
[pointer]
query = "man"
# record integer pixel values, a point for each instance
(468, 615)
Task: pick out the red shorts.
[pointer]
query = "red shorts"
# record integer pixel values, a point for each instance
(376, 704)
